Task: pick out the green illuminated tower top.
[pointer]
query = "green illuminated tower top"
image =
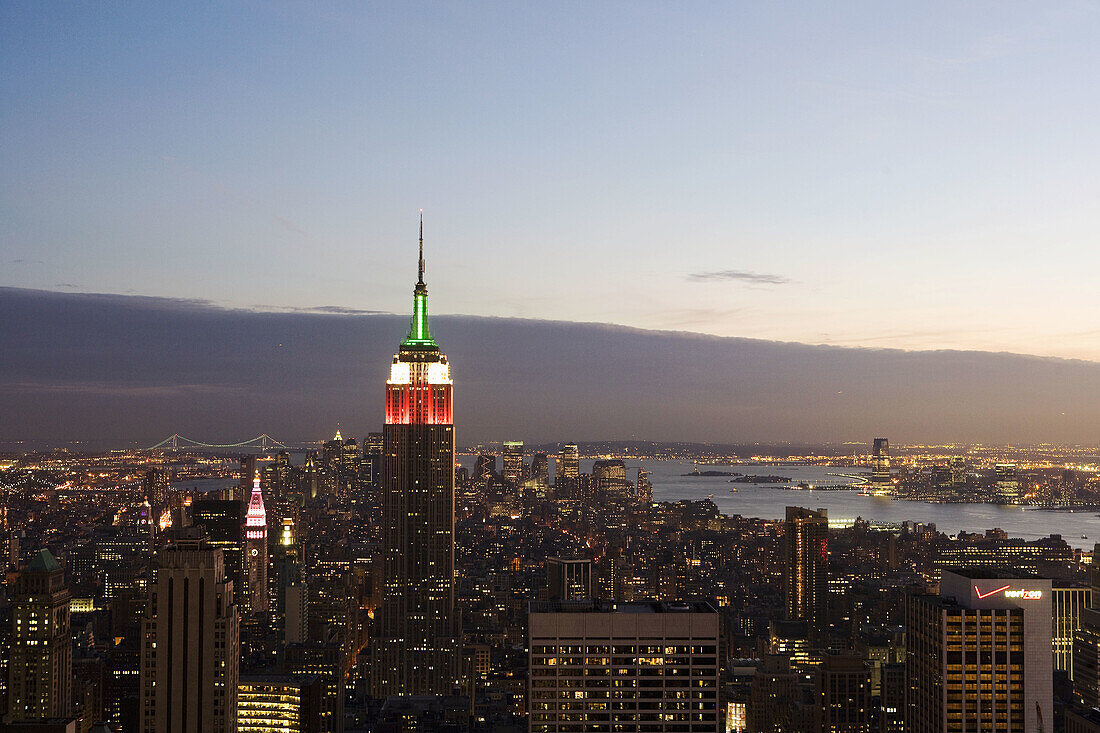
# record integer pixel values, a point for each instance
(419, 336)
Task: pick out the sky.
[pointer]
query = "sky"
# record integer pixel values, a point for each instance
(877, 174)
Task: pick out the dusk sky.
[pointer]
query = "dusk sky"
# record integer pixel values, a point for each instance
(916, 175)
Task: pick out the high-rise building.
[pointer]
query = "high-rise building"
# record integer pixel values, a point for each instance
(279, 703)
(645, 487)
(484, 468)
(324, 660)
(540, 474)
(806, 558)
(255, 551)
(223, 522)
(1007, 484)
(772, 691)
(568, 465)
(958, 470)
(40, 668)
(372, 460)
(598, 662)
(1067, 601)
(1086, 659)
(978, 655)
(844, 694)
(417, 649)
(880, 467)
(512, 462)
(190, 649)
(568, 579)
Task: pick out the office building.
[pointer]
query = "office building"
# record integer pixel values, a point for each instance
(880, 468)
(978, 656)
(1067, 602)
(644, 489)
(255, 551)
(1086, 659)
(325, 661)
(806, 565)
(568, 579)
(540, 474)
(843, 693)
(1007, 483)
(40, 668)
(957, 465)
(278, 703)
(567, 467)
(222, 520)
(512, 462)
(642, 667)
(485, 467)
(190, 645)
(417, 649)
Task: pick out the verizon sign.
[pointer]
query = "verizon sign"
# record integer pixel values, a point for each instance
(1010, 592)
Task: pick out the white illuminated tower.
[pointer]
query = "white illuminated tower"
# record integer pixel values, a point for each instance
(416, 651)
(255, 549)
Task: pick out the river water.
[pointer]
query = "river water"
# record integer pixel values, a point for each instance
(770, 502)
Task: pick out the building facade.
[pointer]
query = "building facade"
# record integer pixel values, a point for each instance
(255, 550)
(978, 656)
(806, 565)
(190, 645)
(40, 668)
(631, 667)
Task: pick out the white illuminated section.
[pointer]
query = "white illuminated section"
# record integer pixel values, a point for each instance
(435, 372)
(400, 373)
(439, 373)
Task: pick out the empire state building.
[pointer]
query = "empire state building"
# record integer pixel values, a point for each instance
(416, 650)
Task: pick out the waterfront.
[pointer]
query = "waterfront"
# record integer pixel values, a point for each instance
(769, 502)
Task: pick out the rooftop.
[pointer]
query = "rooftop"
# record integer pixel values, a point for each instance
(617, 607)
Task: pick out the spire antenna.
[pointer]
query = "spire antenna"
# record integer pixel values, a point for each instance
(421, 280)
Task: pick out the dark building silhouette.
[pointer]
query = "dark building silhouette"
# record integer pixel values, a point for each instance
(191, 651)
(568, 579)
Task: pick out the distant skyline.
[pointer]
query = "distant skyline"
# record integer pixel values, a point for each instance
(918, 176)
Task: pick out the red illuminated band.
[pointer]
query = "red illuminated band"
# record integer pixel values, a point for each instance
(418, 404)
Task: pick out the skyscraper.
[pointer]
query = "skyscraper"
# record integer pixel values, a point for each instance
(979, 655)
(807, 562)
(644, 490)
(40, 669)
(568, 465)
(540, 474)
(512, 462)
(1007, 486)
(880, 467)
(190, 654)
(416, 651)
(255, 550)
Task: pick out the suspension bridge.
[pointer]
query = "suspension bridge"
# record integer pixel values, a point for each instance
(175, 441)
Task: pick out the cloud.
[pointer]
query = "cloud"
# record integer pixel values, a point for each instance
(341, 310)
(119, 390)
(22, 261)
(754, 278)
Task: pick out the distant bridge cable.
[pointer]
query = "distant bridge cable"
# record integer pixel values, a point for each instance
(175, 440)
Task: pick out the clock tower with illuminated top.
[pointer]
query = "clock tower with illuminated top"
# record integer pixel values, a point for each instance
(416, 650)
